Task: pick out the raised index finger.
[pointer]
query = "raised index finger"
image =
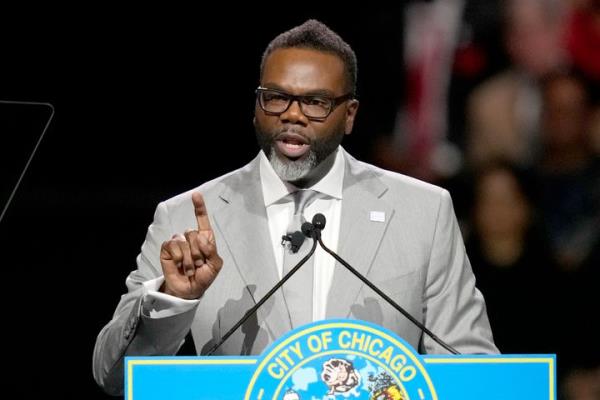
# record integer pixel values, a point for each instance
(200, 212)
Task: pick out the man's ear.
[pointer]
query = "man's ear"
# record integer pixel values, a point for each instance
(351, 111)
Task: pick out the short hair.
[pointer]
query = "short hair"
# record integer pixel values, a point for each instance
(315, 35)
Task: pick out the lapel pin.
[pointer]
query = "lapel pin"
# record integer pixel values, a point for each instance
(377, 216)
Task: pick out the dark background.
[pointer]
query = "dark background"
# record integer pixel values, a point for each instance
(149, 103)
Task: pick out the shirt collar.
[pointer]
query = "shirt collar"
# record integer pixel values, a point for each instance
(274, 189)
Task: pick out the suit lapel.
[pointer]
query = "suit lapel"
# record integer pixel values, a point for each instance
(243, 224)
(359, 236)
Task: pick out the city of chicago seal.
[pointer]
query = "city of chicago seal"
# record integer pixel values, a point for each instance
(339, 359)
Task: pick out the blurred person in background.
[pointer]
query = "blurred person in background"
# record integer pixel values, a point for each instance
(568, 171)
(594, 130)
(568, 177)
(581, 384)
(510, 261)
(503, 112)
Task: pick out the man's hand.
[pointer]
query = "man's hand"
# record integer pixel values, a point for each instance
(190, 262)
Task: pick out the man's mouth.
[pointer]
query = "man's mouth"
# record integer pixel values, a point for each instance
(292, 145)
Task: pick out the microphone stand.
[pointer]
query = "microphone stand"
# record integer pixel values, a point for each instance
(317, 237)
(252, 310)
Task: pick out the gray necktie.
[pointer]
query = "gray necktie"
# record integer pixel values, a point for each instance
(298, 290)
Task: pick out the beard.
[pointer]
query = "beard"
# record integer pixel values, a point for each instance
(295, 170)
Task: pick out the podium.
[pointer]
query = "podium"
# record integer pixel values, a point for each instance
(342, 359)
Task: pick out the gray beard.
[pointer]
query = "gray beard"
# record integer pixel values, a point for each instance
(295, 170)
(305, 171)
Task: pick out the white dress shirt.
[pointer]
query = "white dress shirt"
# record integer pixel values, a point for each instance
(280, 207)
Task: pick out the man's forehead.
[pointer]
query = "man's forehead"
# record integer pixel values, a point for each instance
(303, 70)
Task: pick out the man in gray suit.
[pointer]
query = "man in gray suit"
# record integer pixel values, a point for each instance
(213, 252)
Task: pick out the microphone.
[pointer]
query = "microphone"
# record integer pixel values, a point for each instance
(296, 239)
(307, 229)
(287, 276)
(318, 223)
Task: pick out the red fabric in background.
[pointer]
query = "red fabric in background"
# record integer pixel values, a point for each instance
(583, 42)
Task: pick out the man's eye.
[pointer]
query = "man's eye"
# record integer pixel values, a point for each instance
(274, 97)
(316, 101)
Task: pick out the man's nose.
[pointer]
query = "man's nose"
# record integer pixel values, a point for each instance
(294, 114)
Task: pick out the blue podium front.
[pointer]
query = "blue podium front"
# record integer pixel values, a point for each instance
(342, 359)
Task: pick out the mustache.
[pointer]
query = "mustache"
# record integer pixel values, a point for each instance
(290, 130)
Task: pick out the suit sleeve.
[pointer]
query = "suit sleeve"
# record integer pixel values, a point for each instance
(131, 332)
(453, 307)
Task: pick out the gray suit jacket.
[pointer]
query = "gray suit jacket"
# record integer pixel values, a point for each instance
(416, 257)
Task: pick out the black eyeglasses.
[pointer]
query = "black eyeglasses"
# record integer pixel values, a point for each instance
(316, 107)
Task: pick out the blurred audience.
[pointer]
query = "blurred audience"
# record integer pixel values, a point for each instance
(528, 132)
